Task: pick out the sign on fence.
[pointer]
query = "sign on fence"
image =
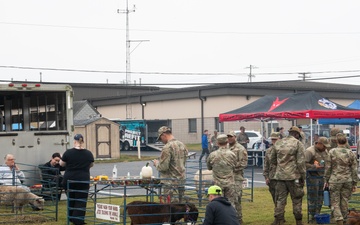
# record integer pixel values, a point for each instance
(245, 183)
(108, 212)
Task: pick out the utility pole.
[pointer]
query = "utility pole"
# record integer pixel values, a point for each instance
(128, 52)
(304, 75)
(127, 11)
(128, 73)
(251, 67)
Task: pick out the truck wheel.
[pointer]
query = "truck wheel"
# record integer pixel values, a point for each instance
(126, 146)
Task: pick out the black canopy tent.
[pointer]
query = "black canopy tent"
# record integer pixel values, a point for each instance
(305, 105)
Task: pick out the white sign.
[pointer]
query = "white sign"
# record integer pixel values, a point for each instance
(108, 212)
(245, 183)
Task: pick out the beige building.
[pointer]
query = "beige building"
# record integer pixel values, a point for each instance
(191, 110)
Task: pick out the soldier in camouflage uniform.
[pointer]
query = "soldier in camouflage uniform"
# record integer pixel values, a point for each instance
(315, 157)
(288, 156)
(341, 178)
(241, 163)
(333, 142)
(222, 163)
(171, 165)
(269, 169)
(302, 136)
(214, 145)
(242, 138)
(333, 132)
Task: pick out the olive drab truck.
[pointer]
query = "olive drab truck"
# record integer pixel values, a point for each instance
(37, 120)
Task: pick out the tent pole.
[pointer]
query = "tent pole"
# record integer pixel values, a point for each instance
(262, 144)
(311, 132)
(358, 134)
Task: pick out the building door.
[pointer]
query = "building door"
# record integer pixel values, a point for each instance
(103, 141)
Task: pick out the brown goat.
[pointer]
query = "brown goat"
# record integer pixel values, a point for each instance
(353, 217)
(141, 212)
(18, 197)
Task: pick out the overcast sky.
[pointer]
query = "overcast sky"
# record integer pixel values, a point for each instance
(182, 41)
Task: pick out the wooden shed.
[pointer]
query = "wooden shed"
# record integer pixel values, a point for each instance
(101, 135)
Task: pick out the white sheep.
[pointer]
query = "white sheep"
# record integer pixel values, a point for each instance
(206, 178)
(18, 197)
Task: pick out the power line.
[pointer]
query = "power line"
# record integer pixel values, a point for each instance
(170, 73)
(185, 31)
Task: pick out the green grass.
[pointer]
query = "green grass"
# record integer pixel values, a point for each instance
(194, 147)
(258, 212)
(254, 213)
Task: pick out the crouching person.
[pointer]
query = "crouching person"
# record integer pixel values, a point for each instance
(219, 211)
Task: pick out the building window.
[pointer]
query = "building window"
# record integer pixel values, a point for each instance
(219, 126)
(192, 126)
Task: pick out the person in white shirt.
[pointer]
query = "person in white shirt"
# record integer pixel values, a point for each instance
(9, 169)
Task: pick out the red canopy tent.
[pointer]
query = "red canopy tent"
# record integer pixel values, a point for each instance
(310, 105)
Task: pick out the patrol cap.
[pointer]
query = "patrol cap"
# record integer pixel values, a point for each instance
(231, 133)
(324, 141)
(341, 138)
(162, 130)
(78, 137)
(275, 135)
(222, 138)
(214, 190)
(334, 131)
(294, 128)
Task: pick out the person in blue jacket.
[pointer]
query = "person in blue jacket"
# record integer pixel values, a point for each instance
(219, 211)
(205, 145)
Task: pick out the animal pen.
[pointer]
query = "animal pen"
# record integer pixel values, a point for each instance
(109, 200)
(132, 200)
(42, 188)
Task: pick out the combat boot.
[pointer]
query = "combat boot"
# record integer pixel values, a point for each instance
(339, 222)
(278, 222)
(299, 222)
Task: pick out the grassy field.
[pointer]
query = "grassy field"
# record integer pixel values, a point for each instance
(258, 212)
(255, 213)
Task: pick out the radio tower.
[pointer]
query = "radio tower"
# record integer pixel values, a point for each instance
(128, 73)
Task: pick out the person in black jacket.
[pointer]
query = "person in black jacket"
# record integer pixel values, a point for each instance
(78, 161)
(51, 170)
(219, 211)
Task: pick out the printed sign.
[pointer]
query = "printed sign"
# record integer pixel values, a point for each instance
(108, 212)
(245, 183)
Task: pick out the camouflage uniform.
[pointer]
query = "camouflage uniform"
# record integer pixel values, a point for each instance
(314, 180)
(214, 145)
(333, 132)
(341, 175)
(269, 172)
(241, 162)
(242, 138)
(303, 138)
(288, 156)
(172, 169)
(222, 162)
